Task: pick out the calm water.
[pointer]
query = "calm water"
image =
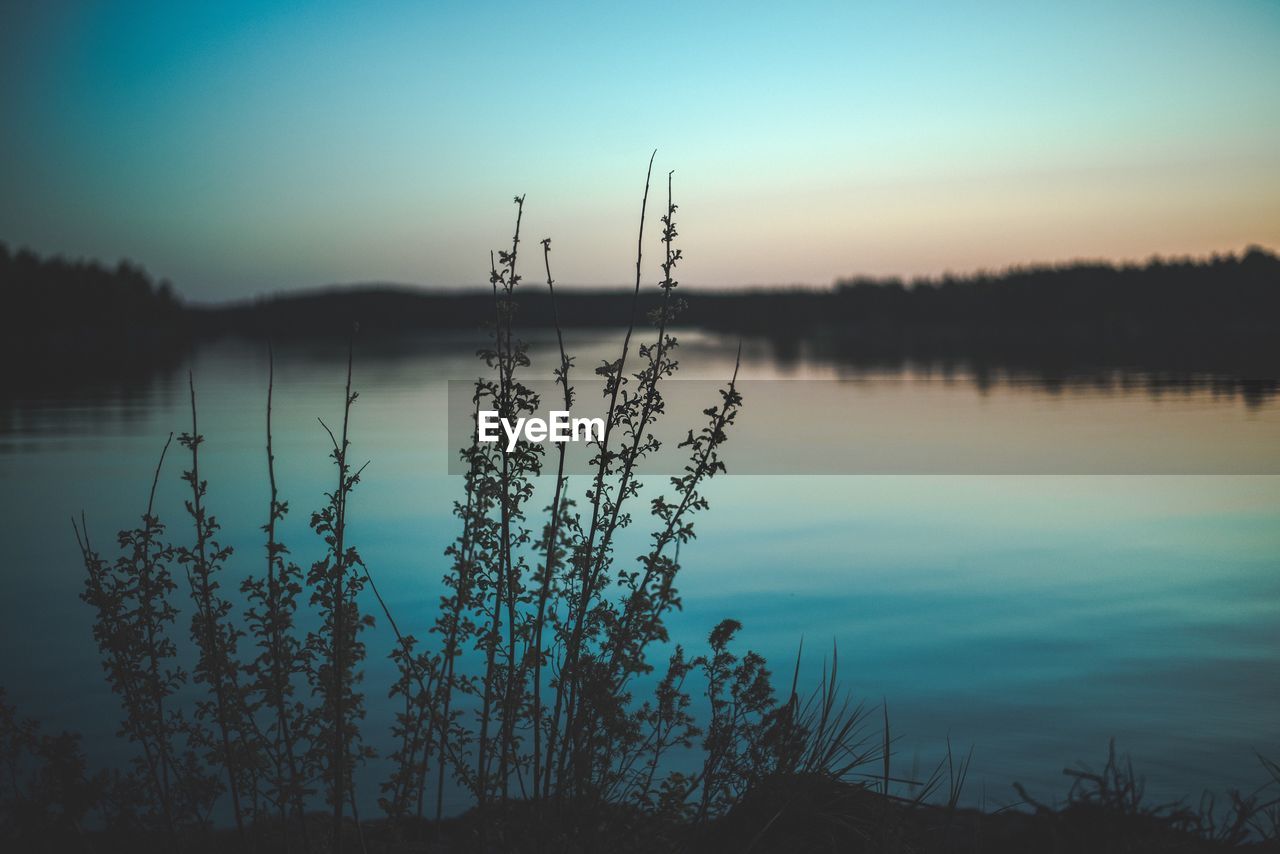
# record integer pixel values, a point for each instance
(1030, 616)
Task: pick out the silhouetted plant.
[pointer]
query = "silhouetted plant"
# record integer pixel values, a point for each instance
(134, 617)
(413, 731)
(1266, 818)
(1108, 810)
(575, 623)
(222, 725)
(454, 624)
(282, 659)
(46, 790)
(336, 648)
(509, 478)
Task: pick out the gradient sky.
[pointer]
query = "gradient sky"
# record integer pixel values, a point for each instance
(238, 148)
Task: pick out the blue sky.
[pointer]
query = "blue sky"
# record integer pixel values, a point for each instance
(238, 148)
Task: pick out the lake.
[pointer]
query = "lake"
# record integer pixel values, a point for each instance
(1025, 568)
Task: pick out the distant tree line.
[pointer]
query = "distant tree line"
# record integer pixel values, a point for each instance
(1072, 298)
(53, 294)
(81, 321)
(1068, 296)
(1174, 316)
(123, 302)
(1172, 322)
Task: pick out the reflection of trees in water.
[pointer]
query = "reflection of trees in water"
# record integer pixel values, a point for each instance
(118, 394)
(1228, 370)
(119, 391)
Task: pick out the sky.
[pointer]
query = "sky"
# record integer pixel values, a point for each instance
(243, 148)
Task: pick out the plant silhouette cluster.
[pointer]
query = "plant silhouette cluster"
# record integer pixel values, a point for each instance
(522, 691)
(544, 689)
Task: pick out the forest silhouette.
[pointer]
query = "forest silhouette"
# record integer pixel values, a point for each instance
(1175, 322)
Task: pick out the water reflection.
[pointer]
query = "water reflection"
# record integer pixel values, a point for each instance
(43, 400)
(1034, 617)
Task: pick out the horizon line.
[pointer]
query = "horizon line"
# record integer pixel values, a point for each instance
(458, 289)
